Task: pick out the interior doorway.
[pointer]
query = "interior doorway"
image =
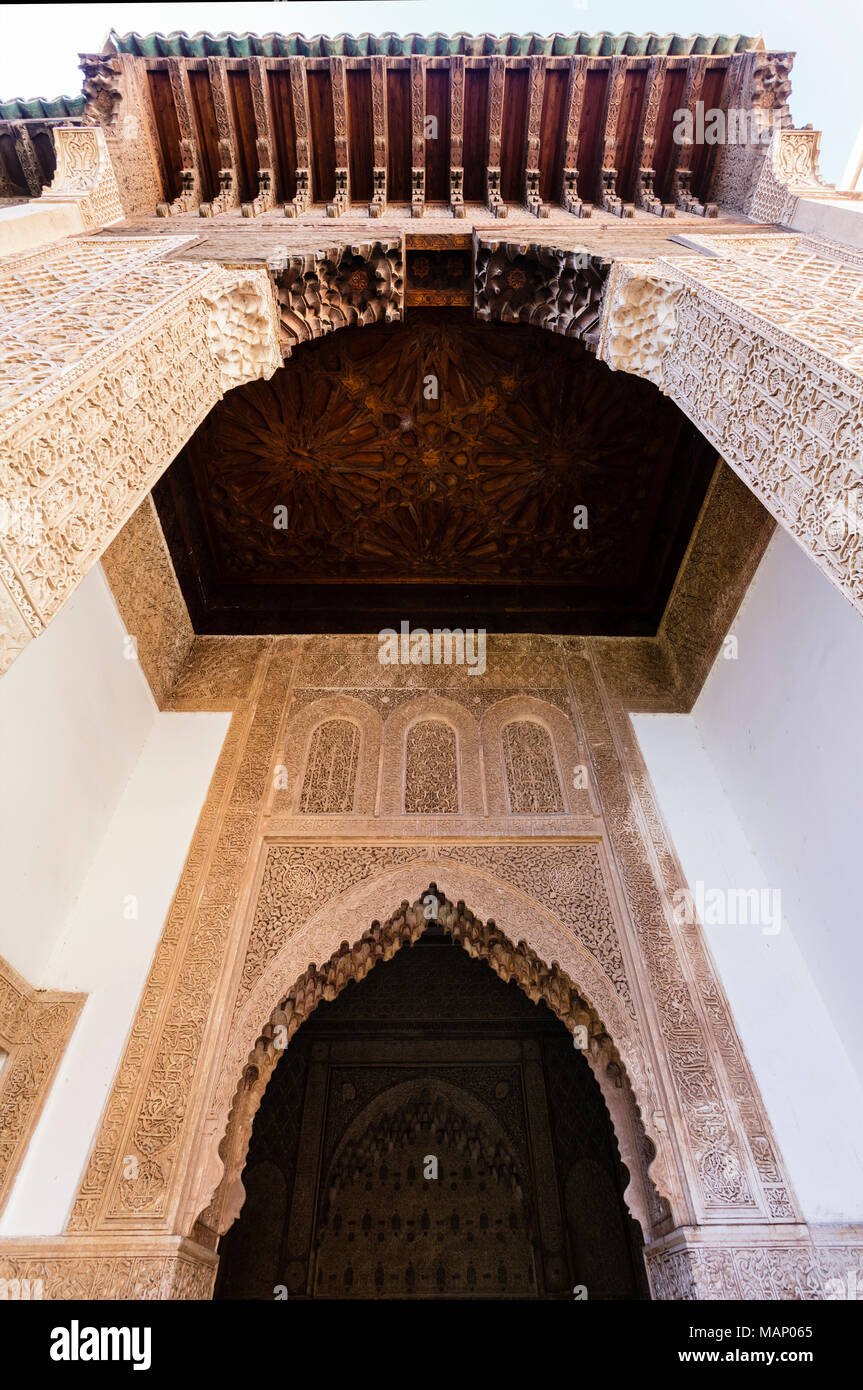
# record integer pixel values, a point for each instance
(431, 1133)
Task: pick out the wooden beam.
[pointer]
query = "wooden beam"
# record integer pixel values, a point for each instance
(340, 200)
(190, 195)
(27, 157)
(456, 127)
(726, 99)
(300, 99)
(379, 137)
(229, 184)
(609, 196)
(645, 194)
(681, 155)
(265, 144)
(418, 144)
(574, 102)
(534, 119)
(496, 79)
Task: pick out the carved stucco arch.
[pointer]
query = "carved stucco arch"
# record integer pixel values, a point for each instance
(568, 755)
(395, 734)
(287, 994)
(296, 742)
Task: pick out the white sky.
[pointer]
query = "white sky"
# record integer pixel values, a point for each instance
(39, 44)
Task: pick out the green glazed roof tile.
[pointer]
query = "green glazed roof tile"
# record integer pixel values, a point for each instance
(41, 109)
(229, 45)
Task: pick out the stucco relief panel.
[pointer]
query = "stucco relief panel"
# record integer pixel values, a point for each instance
(436, 770)
(328, 759)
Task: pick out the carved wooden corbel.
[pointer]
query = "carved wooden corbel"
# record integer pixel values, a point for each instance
(496, 206)
(570, 199)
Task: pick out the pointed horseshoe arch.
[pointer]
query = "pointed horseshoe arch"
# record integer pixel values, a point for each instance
(482, 941)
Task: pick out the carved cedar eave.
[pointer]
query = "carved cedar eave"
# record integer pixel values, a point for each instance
(684, 198)
(520, 964)
(265, 144)
(418, 149)
(707, 208)
(691, 94)
(645, 194)
(532, 198)
(340, 287)
(341, 198)
(456, 119)
(560, 290)
(27, 157)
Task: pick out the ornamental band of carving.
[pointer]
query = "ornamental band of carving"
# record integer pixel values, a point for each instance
(35, 1028)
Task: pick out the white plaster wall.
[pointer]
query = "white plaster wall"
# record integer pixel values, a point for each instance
(833, 218)
(107, 954)
(782, 725)
(74, 715)
(761, 787)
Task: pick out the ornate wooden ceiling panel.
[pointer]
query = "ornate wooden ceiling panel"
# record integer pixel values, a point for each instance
(430, 472)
